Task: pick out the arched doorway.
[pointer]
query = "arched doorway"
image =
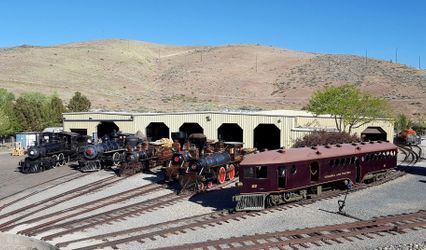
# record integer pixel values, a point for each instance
(191, 128)
(106, 128)
(230, 132)
(374, 134)
(157, 130)
(266, 136)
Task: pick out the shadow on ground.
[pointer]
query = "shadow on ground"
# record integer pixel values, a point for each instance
(413, 170)
(217, 199)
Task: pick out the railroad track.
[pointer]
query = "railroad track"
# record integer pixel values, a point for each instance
(331, 234)
(77, 210)
(410, 155)
(61, 180)
(55, 200)
(191, 223)
(113, 215)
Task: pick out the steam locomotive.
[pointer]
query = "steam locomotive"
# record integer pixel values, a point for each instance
(128, 153)
(407, 137)
(54, 150)
(285, 175)
(111, 152)
(200, 165)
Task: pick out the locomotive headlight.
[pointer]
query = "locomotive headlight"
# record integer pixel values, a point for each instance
(32, 152)
(89, 141)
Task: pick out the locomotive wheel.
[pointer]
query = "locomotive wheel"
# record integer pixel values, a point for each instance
(231, 172)
(61, 159)
(116, 159)
(55, 161)
(201, 187)
(221, 175)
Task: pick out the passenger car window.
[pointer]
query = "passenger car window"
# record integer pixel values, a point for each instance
(281, 171)
(293, 169)
(249, 172)
(261, 172)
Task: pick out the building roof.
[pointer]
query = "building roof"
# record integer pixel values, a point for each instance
(280, 112)
(285, 156)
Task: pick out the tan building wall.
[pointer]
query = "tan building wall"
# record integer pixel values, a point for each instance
(291, 124)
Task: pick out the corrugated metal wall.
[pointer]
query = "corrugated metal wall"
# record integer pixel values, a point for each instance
(291, 127)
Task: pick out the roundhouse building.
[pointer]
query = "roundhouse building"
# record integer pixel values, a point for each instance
(261, 129)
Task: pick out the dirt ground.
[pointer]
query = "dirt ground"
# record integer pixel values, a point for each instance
(12, 181)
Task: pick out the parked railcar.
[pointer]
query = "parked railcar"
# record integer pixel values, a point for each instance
(143, 157)
(284, 175)
(54, 150)
(111, 152)
(200, 165)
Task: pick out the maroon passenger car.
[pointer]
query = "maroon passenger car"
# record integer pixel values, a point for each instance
(278, 176)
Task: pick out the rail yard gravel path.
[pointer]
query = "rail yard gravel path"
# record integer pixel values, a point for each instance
(403, 195)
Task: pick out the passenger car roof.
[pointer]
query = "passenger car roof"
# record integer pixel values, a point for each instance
(283, 156)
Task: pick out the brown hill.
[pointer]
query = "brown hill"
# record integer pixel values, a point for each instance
(140, 76)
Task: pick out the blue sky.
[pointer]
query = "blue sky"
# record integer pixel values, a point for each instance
(329, 26)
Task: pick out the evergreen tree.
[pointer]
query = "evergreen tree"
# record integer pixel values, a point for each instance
(29, 114)
(56, 107)
(79, 103)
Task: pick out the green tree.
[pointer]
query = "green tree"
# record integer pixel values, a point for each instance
(79, 103)
(56, 108)
(29, 113)
(402, 122)
(8, 121)
(350, 107)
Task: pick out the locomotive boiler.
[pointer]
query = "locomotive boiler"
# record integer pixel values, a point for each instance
(200, 164)
(54, 150)
(111, 152)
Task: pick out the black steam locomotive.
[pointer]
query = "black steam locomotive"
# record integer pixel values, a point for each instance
(111, 152)
(54, 150)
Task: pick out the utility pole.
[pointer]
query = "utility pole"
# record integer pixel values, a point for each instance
(256, 63)
(419, 64)
(365, 57)
(396, 55)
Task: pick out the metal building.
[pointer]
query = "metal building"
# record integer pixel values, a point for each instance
(261, 129)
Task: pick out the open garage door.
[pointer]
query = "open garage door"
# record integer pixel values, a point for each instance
(374, 134)
(157, 130)
(106, 128)
(191, 128)
(230, 132)
(266, 136)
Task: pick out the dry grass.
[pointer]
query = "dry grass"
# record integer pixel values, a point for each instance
(140, 76)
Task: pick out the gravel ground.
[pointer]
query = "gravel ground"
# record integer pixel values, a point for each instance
(403, 195)
(412, 246)
(399, 196)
